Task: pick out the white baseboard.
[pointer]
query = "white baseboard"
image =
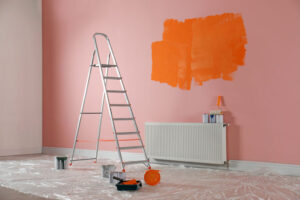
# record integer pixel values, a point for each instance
(111, 155)
(276, 168)
(20, 151)
(235, 165)
(189, 164)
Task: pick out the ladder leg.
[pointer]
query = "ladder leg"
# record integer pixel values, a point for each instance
(101, 110)
(82, 107)
(99, 126)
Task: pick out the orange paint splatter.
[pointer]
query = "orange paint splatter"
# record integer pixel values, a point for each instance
(200, 49)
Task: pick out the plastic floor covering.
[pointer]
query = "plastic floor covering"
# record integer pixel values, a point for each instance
(83, 181)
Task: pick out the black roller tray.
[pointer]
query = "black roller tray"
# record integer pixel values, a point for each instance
(121, 186)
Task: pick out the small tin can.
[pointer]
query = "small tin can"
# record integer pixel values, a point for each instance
(61, 162)
(219, 118)
(205, 118)
(212, 118)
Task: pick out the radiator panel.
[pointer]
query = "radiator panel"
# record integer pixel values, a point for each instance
(187, 142)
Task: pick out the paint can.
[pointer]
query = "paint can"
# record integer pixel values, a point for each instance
(61, 162)
(120, 175)
(205, 118)
(219, 118)
(212, 118)
(106, 169)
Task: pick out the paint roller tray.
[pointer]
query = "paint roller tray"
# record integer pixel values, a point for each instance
(120, 186)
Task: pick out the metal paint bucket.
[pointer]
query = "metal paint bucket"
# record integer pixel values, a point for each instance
(106, 169)
(61, 162)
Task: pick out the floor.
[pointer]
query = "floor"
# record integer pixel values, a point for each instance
(36, 175)
(9, 194)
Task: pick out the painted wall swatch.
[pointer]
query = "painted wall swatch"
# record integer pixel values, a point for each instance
(200, 49)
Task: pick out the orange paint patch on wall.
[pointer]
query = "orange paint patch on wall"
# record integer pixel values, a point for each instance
(200, 49)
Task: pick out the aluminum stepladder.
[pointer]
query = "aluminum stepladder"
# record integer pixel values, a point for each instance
(104, 77)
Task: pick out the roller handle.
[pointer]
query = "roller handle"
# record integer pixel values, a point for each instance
(117, 178)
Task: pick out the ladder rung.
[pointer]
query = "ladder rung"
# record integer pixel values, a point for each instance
(123, 118)
(131, 147)
(104, 65)
(112, 77)
(126, 133)
(107, 66)
(90, 113)
(119, 104)
(116, 91)
(135, 162)
(83, 159)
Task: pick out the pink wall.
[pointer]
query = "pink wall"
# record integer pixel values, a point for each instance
(261, 103)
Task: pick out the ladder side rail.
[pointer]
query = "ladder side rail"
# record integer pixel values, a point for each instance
(107, 98)
(102, 108)
(126, 97)
(82, 106)
(122, 84)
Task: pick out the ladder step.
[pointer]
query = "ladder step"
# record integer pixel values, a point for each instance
(126, 133)
(91, 113)
(116, 91)
(119, 104)
(83, 159)
(112, 78)
(135, 162)
(131, 147)
(107, 66)
(123, 118)
(104, 65)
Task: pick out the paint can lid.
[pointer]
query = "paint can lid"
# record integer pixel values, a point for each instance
(61, 158)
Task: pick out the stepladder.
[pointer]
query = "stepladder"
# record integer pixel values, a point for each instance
(110, 75)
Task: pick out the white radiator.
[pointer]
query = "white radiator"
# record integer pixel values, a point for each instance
(187, 142)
